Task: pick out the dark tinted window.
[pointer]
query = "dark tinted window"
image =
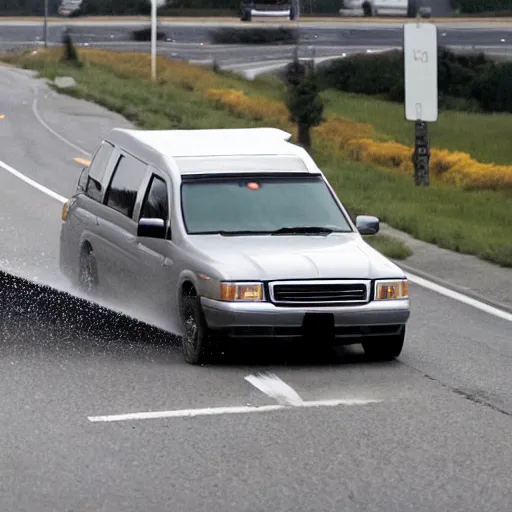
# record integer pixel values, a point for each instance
(125, 184)
(259, 204)
(97, 170)
(156, 204)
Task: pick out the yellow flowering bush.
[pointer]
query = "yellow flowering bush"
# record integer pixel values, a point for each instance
(257, 108)
(336, 132)
(138, 65)
(456, 168)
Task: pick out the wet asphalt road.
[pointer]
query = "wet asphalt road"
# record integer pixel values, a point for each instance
(438, 439)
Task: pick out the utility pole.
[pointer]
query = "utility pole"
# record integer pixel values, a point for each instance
(153, 38)
(46, 23)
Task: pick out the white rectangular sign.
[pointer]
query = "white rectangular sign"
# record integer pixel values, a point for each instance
(420, 71)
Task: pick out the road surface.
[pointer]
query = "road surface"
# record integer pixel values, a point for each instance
(427, 432)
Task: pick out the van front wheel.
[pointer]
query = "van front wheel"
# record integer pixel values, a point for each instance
(197, 342)
(386, 348)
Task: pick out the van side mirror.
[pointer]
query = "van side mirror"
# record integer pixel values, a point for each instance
(151, 228)
(367, 225)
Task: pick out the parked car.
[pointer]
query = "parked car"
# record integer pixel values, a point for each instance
(408, 8)
(269, 8)
(232, 234)
(71, 8)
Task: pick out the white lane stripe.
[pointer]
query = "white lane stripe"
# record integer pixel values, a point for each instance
(52, 131)
(459, 297)
(275, 388)
(413, 278)
(215, 411)
(44, 124)
(33, 183)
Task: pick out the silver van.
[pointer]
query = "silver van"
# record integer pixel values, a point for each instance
(230, 234)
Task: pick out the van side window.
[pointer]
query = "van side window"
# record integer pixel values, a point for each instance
(156, 205)
(122, 192)
(97, 170)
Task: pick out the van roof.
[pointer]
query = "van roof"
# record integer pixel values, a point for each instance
(179, 143)
(165, 145)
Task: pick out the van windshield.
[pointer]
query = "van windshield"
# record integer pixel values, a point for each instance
(260, 205)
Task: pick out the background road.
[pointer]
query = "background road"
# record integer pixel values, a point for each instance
(436, 437)
(190, 40)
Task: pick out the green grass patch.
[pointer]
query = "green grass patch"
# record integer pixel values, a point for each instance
(478, 223)
(390, 246)
(486, 137)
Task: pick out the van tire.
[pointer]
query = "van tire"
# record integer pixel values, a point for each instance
(197, 341)
(88, 281)
(385, 348)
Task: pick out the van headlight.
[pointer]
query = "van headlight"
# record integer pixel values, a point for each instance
(241, 292)
(392, 289)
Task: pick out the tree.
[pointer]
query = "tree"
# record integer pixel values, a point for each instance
(304, 102)
(70, 53)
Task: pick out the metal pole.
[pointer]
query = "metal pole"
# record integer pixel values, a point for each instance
(46, 23)
(153, 39)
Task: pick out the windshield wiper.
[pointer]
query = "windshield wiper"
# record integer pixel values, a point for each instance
(243, 233)
(300, 230)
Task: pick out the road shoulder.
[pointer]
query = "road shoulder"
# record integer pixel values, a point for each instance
(464, 273)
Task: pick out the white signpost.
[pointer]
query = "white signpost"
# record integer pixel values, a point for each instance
(421, 93)
(155, 4)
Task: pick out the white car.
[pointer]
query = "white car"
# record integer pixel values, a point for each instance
(409, 8)
(269, 8)
(70, 8)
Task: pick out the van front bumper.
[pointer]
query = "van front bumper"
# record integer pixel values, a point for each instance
(265, 320)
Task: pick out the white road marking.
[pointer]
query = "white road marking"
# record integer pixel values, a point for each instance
(413, 278)
(44, 124)
(215, 411)
(52, 131)
(274, 387)
(459, 297)
(33, 183)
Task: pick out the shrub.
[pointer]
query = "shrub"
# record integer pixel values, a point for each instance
(70, 54)
(493, 90)
(365, 74)
(257, 108)
(305, 106)
(480, 6)
(465, 82)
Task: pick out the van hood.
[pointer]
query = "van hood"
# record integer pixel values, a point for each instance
(269, 258)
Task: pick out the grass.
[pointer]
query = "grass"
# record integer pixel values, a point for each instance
(478, 223)
(486, 137)
(389, 245)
